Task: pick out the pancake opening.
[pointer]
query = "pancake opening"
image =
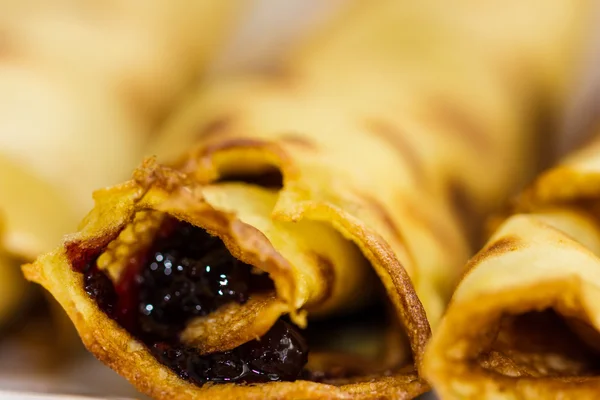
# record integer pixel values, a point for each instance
(356, 346)
(542, 344)
(181, 292)
(180, 272)
(362, 340)
(269, 177)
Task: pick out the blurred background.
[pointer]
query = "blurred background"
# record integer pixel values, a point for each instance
(111, 72)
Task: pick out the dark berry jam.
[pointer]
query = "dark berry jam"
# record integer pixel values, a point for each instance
(185, 274)
(188, 274)
(279, 355)
(100, 288)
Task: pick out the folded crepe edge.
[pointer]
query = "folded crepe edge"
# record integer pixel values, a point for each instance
(209, 162)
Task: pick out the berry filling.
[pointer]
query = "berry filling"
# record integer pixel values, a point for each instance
(188, 273)
(280, 355)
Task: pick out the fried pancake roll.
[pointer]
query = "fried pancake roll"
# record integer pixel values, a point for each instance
(82, 86)
(524, 322)
(285, 211)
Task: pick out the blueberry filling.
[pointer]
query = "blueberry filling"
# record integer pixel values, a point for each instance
(280, 355)
(100, 288)
(188, 273)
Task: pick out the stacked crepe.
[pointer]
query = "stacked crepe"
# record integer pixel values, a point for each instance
(524, 321)
(350, 176)
(83, 86)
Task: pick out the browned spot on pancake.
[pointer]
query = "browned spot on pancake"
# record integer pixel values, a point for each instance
(465, 211)
(424, 217)
(218, 126)
(396, 138)
(232, 144)
(276, 70)
(382, 212)
(7, 46)
(459, 198)
(327, 272)
(501, 246)
(280, 75)
(445, 113)
(298, 141)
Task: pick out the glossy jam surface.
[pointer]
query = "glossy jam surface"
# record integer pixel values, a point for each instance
(188, 273)
(100, 288)
(279, 355)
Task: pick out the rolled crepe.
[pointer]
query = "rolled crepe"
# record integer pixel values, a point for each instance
(371, 150)
(524, 321)
(83, 87)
